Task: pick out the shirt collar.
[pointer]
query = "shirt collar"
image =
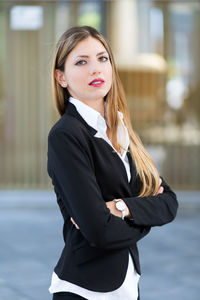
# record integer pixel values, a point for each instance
(94, 119)
(89, 114)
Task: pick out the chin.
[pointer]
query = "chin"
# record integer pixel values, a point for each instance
(99, 95)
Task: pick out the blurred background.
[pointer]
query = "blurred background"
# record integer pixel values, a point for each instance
(156, 48)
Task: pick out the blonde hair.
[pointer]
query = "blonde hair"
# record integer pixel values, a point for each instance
(115, 99)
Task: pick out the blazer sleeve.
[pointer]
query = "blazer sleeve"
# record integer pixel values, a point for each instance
(74, 179)
(153, 210)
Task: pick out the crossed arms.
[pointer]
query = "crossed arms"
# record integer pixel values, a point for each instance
(73, 176)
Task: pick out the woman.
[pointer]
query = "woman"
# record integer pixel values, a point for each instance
(108, 188)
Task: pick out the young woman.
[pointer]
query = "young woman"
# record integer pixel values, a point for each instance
(108, 189)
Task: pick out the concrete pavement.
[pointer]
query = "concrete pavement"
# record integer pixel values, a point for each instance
(31, 242)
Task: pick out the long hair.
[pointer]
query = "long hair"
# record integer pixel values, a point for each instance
(115, 100)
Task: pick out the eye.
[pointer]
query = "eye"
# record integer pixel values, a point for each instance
(103, 58)
(80, 62)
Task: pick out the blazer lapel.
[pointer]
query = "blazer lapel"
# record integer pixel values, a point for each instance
(72, 111)
(132, 167)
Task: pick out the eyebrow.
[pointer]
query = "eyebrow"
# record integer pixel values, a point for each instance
(104, 52)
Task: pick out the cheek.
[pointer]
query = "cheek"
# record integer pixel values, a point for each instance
(110, 75)
(75, 78)
(109, 71)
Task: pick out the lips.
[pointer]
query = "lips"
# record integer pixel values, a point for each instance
(97, 82)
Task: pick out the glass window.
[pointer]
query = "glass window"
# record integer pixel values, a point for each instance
(26, 17)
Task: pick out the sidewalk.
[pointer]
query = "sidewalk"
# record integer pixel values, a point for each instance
(31, 228)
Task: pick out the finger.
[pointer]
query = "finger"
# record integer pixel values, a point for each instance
(72, 220)
(160, 191)
(74, 223)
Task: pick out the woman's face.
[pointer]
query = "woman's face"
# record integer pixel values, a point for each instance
(88, 71)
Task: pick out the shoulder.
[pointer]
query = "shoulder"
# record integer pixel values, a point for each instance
(68, 130)
(67, 125)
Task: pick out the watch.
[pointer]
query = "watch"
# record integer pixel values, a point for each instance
(121, 206)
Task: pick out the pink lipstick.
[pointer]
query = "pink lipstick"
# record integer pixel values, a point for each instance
(97, 82)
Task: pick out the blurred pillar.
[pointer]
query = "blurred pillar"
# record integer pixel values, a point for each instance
(123, 30)
(143, 23)
(62, 19)
(195, 48)
(167, 32)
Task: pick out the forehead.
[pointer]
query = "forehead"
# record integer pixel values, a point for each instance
(88, 46)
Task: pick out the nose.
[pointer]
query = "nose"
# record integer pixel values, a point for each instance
(94, 68)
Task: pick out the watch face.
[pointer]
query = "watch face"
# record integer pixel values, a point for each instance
(120, 205)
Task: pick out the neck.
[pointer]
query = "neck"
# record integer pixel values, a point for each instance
(98, 105)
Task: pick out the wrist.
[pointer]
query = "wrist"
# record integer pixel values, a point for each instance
(127, 213)
(123, 208)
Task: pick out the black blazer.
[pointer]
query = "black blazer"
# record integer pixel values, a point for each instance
(86, 173)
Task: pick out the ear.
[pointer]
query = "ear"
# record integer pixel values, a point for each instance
(60, 77)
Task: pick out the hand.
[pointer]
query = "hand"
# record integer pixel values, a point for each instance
(72, 220)
(113, 210)
(160, 190)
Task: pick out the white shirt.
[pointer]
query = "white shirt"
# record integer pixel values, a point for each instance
(129, 289)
